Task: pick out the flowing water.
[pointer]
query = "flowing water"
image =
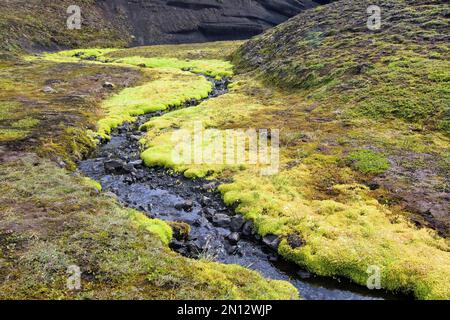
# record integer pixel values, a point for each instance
(172, 197)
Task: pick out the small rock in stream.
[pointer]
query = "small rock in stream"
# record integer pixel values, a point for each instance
(185, 205)
(209, 186)
(134, 137)
(237, 223)
(272, 241)
(247, 229)
(231, 249)
(221, 220)
(209, 213)
(234, 237)
(114, 166)
(129, 168)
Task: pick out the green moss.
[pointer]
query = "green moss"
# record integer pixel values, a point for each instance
(368, 161)
(210, 67)
(399, 72)
(12, 134)
(22, 28)
(25, 123)
(171, 88)
(92, 183)
(155, 226)
(8, 109)
(214, 68)
(345, 230)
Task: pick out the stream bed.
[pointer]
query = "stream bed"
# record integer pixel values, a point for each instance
(216, 233)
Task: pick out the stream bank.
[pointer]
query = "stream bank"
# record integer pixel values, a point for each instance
(216, 232)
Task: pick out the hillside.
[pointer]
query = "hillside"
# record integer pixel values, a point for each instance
(357, 121)
(395, 80)
(120, 23)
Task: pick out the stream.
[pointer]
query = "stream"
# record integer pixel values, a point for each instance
(216, 232)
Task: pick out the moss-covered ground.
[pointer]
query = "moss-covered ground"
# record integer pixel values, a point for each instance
(364, 151)
(364, 142)
(37, 24)
(51, 219)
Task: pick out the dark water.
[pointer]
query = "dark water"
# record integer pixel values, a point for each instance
(172, 197)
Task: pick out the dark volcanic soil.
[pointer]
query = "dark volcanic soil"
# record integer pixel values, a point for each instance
(173, 21)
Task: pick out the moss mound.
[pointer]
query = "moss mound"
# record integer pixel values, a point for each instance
(397, 72)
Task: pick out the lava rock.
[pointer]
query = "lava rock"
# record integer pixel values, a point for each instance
(206, 20)
(136, 163)
(129, 168)
(179, 247)
(272, 257)
(248, 229)
(295, 241)
(185, 205)
(221, 220)
(209, 186)
(135, 137)
(237, 222)
(231, 249)
(205, 201)
(196, 246)
(114, 166)
(209, 213)
(234, 237)
(272, 241)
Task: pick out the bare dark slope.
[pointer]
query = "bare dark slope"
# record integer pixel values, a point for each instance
(181, 21)
(41, 24)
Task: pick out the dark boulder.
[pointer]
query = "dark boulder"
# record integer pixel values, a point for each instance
(222, 220)
(272, 241)
(114, 166)
(248, 229)
(237, 222)
(233, 237)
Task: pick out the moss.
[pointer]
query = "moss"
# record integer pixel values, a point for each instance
(368, 161)
(220, 50)
(154, 226)
(119, 257)
(345, 230)
(12, 134)
(213, 68)
(21, 28)
(398, 72)
(180, 230)
(171, 88)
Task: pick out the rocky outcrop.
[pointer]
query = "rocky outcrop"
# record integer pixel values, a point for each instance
(180, 21)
